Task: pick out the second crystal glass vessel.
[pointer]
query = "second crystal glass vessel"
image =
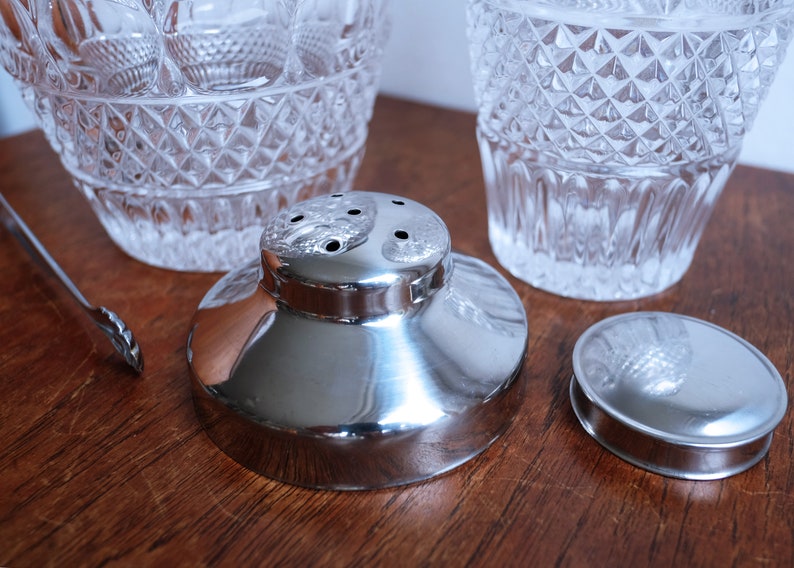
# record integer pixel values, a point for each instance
(608, 129)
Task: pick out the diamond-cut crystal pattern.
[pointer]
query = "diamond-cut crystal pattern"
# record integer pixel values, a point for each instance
(634, 97)
(204, 146)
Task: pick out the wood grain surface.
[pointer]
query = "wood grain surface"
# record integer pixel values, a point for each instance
(98, 467)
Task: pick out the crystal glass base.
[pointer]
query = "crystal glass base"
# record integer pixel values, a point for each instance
(204, 232)
(599, 234)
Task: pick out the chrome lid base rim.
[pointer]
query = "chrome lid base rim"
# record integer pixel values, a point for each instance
(681, 461)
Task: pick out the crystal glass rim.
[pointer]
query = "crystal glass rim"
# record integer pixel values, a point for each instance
(675, 16)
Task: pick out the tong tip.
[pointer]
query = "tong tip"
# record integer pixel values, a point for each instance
(122, 338)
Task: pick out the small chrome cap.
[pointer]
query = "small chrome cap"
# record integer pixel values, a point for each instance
(359, 352)
(676, 395)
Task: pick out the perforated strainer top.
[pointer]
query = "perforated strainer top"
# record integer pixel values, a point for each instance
(355, 255)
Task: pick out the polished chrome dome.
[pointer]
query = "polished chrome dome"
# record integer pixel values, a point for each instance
(359, 351)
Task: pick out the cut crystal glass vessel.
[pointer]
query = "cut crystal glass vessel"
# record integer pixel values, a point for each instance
(608, 129)
(187, 124)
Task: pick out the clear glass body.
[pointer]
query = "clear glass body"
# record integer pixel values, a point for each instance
(608, 129)
(189, 123)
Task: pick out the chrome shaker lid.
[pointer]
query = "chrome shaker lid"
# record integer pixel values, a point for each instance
(676, 395)
(359, 352)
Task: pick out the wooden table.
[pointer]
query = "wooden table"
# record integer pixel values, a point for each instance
(98, 466)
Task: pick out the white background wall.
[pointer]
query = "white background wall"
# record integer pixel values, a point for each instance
(427, 60)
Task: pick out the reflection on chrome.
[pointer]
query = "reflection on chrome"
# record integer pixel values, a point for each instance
(362, 353)
(650, 355)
